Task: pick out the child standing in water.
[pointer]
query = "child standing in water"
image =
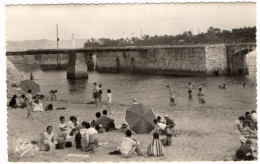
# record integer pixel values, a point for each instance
(201, 97)
(109, 100)
(190, 88)
(172, 97)
(96, 94)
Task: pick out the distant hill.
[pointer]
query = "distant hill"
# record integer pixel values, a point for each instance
(42, 44)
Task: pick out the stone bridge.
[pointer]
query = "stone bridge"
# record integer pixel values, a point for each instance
(196, 60)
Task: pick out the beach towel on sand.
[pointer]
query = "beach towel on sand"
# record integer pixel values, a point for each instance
(156, 148)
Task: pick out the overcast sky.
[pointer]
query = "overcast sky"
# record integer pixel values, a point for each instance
(121, 21)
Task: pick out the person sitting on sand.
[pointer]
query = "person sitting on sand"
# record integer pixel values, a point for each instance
(96, 94)
(53, 94)
(243, 127)
(72, 124)
(37, 106)
(93, 138)
(245, 152)
(47, 141)
(129, 146)
(64, 127)
(201, 97)
(249, 121)
(12, 102)
(160, 127)
(156, 147)
(169, 122)
(172, 96)
(106, 122)
(254, 115)
(84, 135)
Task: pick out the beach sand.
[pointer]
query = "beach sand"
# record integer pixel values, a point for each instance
(200, 135)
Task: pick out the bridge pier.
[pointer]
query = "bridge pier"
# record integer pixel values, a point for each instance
(77, 67)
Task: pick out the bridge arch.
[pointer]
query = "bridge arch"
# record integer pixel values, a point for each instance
(237, 59)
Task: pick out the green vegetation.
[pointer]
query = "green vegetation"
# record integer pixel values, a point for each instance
(212, 36)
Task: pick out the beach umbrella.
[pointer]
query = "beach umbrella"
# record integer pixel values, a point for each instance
(29, 84)
(140, 118)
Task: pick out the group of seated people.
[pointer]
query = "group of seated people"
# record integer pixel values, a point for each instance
(85, 136)
(14, 104)
(247, 126)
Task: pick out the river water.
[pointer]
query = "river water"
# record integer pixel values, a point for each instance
(148, 89)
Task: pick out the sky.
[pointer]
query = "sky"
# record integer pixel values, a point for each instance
(125, 20)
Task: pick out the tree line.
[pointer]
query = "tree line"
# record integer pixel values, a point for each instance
(212, 36)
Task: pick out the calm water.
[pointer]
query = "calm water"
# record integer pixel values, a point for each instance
(149, 89)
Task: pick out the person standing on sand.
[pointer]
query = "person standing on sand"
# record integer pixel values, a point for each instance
(201, 97)
(28, 102)
(109, 100)
(100, 93)
(31, 76)
(96, 94)
(172, 96)
(53, 94)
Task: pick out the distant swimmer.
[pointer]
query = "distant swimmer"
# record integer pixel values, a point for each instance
(201, 97)
(190, 88)
(219, 87)
(244, 84)
(172, 96)
(224, 86)
(31, 76)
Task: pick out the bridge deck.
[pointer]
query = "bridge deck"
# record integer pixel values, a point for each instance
(109, 49)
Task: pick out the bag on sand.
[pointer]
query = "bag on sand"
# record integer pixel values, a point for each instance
(68, 144)
(49, 107)
(59, 146)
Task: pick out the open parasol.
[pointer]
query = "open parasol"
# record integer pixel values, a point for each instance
(140, 118)
(29, 84)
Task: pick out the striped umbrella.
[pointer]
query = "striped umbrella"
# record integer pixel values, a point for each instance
(29, 84)
(140, 118)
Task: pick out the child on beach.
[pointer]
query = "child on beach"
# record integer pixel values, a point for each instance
(201, 97)
(93, 138)
(190, 88)
(53, 94)
(156, 147)
(109, 100)
(96, 94)
(84, 135)
(172, 97)
(170, 123)
(22, 101)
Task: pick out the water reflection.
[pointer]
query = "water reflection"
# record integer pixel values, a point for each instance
(77, 85)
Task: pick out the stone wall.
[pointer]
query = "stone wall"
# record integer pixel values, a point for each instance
(216, 60)
(167, 61)
(53, 60)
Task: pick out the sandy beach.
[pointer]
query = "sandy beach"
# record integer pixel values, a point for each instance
(199, 134)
